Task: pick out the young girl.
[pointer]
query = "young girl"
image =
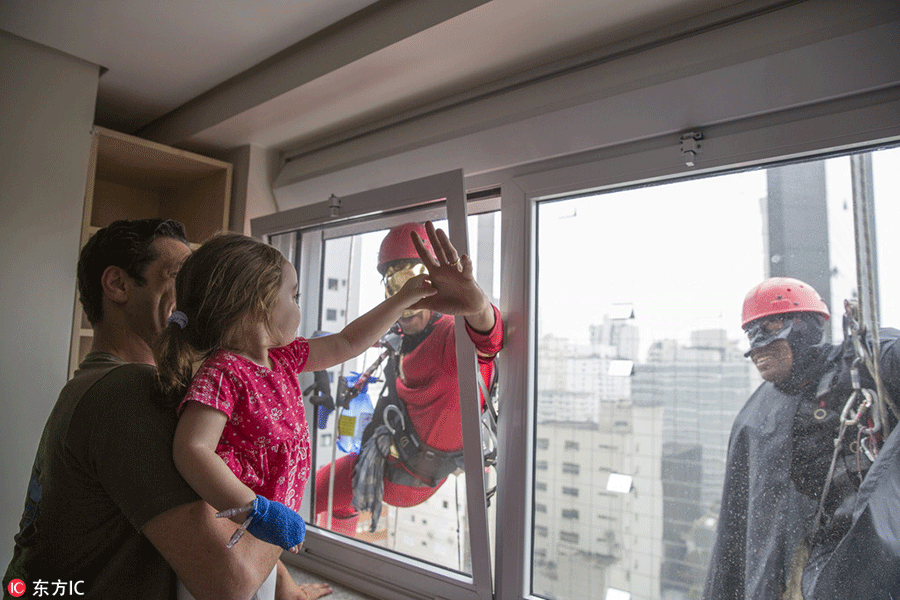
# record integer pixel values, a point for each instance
(242, 441)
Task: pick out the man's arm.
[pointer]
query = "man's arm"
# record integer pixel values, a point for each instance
(489, 341)
(192, 540)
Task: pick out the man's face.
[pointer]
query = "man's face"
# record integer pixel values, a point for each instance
(150, 305)
(774, 360)
(416, 323)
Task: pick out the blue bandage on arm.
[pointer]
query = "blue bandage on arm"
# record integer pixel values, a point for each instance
(275, 523)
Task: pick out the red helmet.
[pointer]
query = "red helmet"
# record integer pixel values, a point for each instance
(779, 295)
(398, 245)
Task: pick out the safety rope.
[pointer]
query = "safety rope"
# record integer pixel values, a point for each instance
(866, 275)
(862, 403)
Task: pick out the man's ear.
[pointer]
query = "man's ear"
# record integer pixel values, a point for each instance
(115, 283)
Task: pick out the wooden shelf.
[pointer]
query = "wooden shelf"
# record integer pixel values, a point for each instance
(136, 179)
(133, 178)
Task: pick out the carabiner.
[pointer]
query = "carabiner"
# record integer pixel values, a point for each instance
(387, 422)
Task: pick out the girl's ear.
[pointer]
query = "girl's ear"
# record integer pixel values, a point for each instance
(115, 284)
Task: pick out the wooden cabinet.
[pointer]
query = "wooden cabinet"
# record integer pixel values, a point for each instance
(133, 178)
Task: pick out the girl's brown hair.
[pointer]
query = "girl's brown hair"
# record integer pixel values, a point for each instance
(229, 282)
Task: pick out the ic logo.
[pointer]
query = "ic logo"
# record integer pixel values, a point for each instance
(16, 588)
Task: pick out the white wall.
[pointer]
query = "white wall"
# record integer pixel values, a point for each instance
(46, 112)
(254, 170)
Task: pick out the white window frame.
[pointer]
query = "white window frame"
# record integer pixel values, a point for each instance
(376, 571)
(846, 125)
(836, 127)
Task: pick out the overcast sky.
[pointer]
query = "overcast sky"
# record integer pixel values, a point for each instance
(685, 254)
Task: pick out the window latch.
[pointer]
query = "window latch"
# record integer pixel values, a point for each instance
(690, 147)
(334, 206)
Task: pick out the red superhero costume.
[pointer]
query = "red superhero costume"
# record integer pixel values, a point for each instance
(427, 384)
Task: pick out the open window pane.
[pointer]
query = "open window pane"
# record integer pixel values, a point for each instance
(421, 521)
(344, 274)
(640, 367)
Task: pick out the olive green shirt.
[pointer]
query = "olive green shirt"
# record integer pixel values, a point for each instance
(103, 470)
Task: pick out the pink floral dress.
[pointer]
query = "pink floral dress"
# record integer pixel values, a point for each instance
(266, 439)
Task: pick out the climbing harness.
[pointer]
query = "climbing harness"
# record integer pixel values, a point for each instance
(863, 410)
(414, 463)
(857, 412)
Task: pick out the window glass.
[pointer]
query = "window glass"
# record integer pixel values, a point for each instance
(886, 183)
(640, 367)
(425, 522)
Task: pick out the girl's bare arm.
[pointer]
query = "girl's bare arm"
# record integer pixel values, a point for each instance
(360, 334)
(194, 451)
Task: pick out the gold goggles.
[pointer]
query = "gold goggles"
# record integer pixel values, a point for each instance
(397, 276)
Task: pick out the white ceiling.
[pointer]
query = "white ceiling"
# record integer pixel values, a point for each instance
(159, 56)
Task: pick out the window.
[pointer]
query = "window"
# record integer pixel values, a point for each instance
(419, 539)
(412, 526)
(664, 422)
(647, 382)
(569, 537)
(664, 425)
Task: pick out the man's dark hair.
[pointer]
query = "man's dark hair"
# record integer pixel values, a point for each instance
(124, 244)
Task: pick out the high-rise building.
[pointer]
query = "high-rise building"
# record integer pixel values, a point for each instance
(700, 387)
(598, 504)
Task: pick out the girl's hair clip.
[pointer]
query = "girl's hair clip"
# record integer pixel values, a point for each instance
(179, 318)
